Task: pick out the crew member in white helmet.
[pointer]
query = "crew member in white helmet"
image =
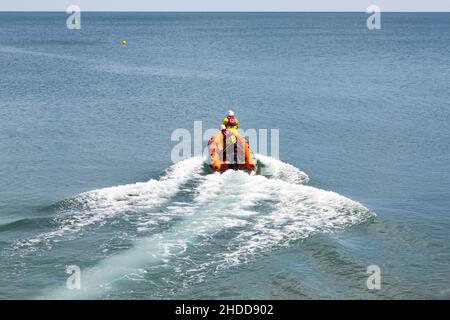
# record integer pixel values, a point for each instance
(231, 122)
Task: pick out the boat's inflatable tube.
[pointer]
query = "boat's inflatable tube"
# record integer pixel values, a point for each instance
(230, 152)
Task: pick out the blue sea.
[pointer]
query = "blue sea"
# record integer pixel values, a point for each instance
(361, 182)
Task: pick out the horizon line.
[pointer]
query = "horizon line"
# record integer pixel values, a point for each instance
(210, 11)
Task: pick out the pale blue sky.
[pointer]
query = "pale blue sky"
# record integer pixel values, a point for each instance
(225, 5)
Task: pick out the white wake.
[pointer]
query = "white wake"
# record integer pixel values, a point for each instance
(257, 214)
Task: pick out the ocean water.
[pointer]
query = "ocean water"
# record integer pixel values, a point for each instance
(363, 174)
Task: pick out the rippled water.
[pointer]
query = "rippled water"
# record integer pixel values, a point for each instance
(87, 180)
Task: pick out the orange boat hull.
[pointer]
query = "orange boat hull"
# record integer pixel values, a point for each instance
(237, 156)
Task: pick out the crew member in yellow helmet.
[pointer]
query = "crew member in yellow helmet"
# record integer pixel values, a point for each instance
(231, 122)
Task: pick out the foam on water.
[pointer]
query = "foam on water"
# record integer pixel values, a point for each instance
(283, 171)
(237, 215)
(94, 207)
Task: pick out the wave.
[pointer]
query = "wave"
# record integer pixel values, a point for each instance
(217, 221)
(96, 206)
(24, 224)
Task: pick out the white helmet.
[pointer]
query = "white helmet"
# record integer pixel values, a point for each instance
(231, 113)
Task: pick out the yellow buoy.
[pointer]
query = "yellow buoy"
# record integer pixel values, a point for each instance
(124, 42)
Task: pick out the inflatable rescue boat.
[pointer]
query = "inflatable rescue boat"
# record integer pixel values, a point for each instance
(228, 150)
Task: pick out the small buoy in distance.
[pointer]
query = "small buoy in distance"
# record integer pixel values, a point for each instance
(124, 42)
